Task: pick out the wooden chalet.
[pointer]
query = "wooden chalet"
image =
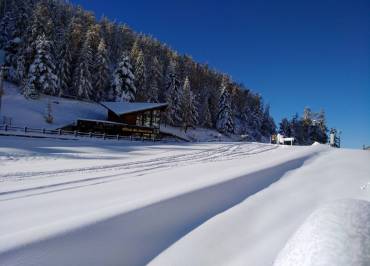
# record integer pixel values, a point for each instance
(127, 119)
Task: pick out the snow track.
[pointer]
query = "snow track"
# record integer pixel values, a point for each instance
(97, 174)
(125, 230)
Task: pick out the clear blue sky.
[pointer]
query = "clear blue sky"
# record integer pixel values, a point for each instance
(295, 53)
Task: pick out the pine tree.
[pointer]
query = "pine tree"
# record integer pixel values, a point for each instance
(297, 130)
(207, 120)
(140, 77)
(154, 81)
(41, 24)
(65, 69)
(123, 81)
(41, 76)
(6, 28)
(82, 77)
(134, 53)
(225, 123)
(173, 97)
(322, 128)
(268, 126)
(188, 106)
(102, 72)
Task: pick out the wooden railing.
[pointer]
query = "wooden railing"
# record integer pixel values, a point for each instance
(28, 131)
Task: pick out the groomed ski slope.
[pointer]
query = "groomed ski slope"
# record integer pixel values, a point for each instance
(98, 203)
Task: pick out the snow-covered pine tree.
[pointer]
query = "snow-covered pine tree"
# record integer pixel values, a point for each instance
(322, 128)
(307, 125)
(134, 53)
(83, 78)
(41, 24)
(41, 76)
(101, 74)
(154, 80)
(140, 77)
(123, 81)
(188, 106)
(296, 129)
(173, 97)
(65, 69)
(268, 126)
(6, 28)
(225, 123)
(207, 119)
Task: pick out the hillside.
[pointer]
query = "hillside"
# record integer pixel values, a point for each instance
(24, 112)
(65, 50)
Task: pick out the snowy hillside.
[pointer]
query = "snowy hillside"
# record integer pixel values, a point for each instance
(99, 203)
(31, 113)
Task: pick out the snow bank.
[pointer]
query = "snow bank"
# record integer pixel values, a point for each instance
(254, 231)
(337, 233)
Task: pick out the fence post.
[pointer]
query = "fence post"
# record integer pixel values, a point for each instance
(130, 137)
(104, 136)
(117, 137)
(6, 127)
(75, 133)
(25, 129)
(90, 134)
(43, 131)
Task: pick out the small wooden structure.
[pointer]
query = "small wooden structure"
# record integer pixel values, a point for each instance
(127, 119)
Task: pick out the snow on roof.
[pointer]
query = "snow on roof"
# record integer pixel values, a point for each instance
(121, 108)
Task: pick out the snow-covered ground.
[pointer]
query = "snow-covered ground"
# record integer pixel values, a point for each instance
(337, 233)
(31, 113)
(65, 202)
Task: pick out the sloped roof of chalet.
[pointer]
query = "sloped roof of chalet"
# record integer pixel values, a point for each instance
(121, 108)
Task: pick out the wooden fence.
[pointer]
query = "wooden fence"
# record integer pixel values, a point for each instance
(59, 132)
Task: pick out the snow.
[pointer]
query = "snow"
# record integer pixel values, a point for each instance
(337, 233)
(86, 202)
(127, 107)
(255, 230)
(30, 113)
